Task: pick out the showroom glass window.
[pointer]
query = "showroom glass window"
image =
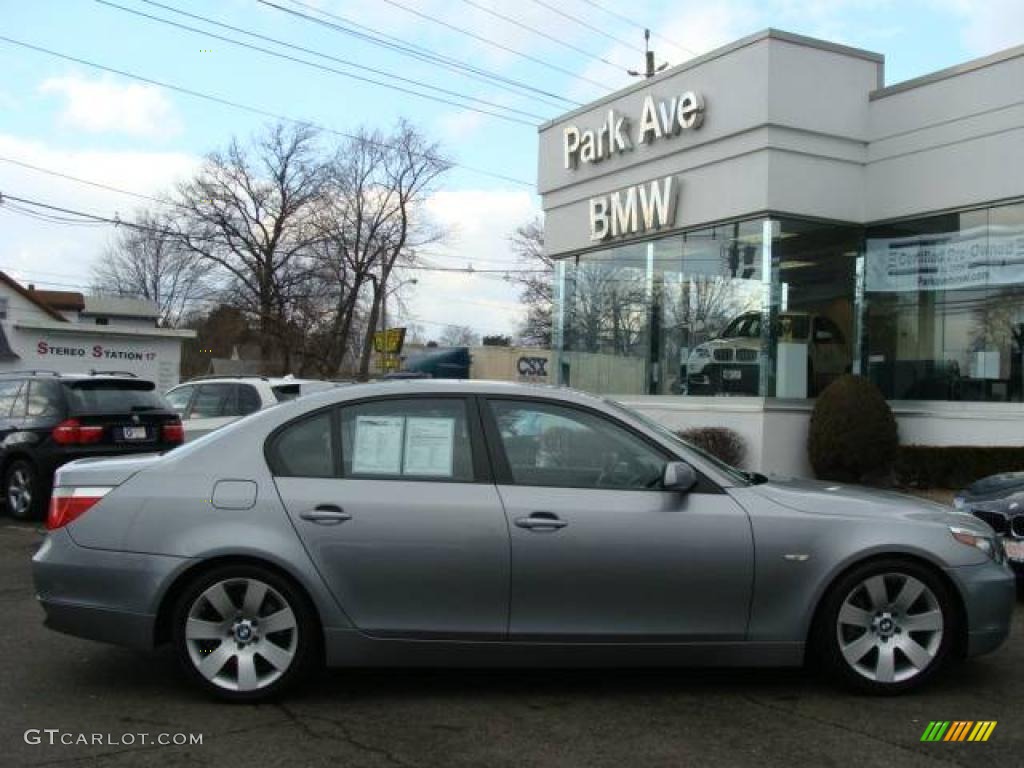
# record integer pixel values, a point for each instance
(944, 306)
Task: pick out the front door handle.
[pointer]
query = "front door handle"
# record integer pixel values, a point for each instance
(541, 521)
(326, 514)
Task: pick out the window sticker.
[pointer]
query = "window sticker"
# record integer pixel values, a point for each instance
(378, 445)
(429, 447)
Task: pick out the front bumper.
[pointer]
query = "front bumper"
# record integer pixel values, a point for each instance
(990, 595)
(101, 594)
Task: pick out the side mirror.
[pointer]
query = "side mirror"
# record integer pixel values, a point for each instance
(678, 476)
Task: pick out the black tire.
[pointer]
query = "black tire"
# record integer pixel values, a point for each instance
(23, 474)
(307, 640)
(827, 639)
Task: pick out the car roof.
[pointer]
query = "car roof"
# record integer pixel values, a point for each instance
(271, 380)
(455, 386)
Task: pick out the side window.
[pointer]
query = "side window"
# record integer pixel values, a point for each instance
(8, 394)
(557, 446)
(212, 400)
(422, 439)
(20, 402)
(304, 448)
(44, 399)
(178, 398)
(248, 399)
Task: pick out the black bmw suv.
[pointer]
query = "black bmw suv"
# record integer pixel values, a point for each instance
(48, 419)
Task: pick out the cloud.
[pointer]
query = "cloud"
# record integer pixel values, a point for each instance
(105, 106)
(988, 26)
(480, 222)
(45, 251)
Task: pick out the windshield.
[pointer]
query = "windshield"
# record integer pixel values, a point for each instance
(736, 474)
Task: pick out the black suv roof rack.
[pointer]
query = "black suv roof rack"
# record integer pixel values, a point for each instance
(31, 372)
(96, 372)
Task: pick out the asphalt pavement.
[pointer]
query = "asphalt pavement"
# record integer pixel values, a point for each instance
(56, 689)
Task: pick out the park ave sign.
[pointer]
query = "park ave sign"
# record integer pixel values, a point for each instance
(642, 207)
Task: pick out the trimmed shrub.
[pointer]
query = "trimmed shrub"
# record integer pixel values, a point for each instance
(955, 466)
(721, 442)
(853, 434)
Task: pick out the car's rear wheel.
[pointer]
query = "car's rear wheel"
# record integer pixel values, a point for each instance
(887, 626)
(23, 490)
(245, 633)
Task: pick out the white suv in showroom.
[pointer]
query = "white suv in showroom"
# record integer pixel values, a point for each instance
(730, 364)
(207, 403)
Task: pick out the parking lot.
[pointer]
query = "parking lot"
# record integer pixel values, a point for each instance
(412, 718)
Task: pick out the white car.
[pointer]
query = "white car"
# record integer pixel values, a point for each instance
(731, 363)
(209, 402)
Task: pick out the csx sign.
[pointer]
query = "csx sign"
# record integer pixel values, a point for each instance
(532, 367)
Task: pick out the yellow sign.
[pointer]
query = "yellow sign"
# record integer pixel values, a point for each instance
(390, 341)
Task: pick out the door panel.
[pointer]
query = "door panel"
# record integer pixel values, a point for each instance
(416, 558)
(598, 551)
(409, 532)
(629, 565)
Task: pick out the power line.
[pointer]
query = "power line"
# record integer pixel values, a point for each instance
(636, 24)
(390, 42)
(245, 107)
(542, 33)
(160, 231)
(96, 184)
(587, 24)
(323, 67)
(496, 44)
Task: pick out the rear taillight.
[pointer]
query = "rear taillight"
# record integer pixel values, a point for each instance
(67, 504)
(174, 432)
(73, 432)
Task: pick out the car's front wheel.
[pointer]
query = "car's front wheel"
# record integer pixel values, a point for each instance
(887, 626)
(245, 633)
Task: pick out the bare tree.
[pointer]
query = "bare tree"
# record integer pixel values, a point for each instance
(144, 261)
(374, 221)
(536, 288)
(250, 211)
(459, 336)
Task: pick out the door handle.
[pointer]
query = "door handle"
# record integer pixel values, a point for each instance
(541, 521)
(326, 514)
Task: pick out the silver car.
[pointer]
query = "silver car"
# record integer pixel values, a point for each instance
(448, 523)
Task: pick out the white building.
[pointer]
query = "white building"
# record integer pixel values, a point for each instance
(67, 332)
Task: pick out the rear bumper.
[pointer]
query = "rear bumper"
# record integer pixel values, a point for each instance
(990, 595)
(100, 594)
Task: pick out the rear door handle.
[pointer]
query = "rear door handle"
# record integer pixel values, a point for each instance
(326, 514)
(541, 521)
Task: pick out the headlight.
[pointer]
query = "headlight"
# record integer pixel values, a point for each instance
(990, 545)
(958, 502)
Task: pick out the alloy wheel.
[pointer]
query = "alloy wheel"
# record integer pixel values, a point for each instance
(890, 627)
(241, 634)
(19, 492)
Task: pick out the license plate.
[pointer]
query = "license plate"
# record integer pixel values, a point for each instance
(134, 433)
(731, 375)
(1014, 549)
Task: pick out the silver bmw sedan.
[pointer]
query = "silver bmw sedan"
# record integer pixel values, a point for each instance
(447, 523)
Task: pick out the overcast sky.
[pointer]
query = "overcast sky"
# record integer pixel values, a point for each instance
(69, 117)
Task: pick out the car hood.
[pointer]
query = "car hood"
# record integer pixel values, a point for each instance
(827, 498)
(995, 486)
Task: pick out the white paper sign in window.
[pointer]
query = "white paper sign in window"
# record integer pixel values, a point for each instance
(378, 445)
(429, 447)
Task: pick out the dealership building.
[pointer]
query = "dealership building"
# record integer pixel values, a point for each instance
(736, 232)
(67, 332)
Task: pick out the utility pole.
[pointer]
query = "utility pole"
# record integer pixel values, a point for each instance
(650, 70)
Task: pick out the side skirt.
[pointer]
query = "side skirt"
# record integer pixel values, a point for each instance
(351, 648)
